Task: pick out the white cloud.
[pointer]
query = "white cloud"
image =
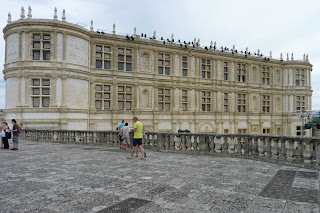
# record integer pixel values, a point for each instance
(269, 25)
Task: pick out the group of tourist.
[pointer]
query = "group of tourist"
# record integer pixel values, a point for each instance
(124, 137)
(6, 135)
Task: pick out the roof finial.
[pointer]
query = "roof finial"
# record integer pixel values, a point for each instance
(135, 32)
(9, 18)
(55, 17)
(63, 15)
(29, 12)
(199, 42)
(281, 58)
(211, 44)
(304, 56)
(246, 50)
(233, 48)
(154, 35)
(22, 16)
(270, 55)
(215, 44)
(194, 41)
(114, 29)
(292, 56)
(172, 37)
(307, 57)
(91, 28)
(258, 52)
(287, 56)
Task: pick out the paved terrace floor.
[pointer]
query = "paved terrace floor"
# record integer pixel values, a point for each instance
(54, 177)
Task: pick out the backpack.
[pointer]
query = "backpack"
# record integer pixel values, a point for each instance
(19, 129)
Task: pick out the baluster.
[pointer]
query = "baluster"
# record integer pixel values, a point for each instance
(115, 139)
(192, 143)
(183, 142)
(176, 142)
(231, 147)
(298, 150)
(267, 147)
(166, 141)
(203, 145)
(307, 152)
(210, 144)
(224, 145)
(171, 145)
(188, 142)
(289, 150)
(217, 143)
(274, 149)
(151, 138)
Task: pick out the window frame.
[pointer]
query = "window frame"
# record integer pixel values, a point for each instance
(163, 61)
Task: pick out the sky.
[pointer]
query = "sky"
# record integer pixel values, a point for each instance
(286, 26)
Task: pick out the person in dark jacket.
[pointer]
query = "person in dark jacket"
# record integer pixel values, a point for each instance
(15, 132)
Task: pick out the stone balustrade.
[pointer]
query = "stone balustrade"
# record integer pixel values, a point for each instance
(279, 149)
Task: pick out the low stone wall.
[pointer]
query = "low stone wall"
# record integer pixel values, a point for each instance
(273, 148)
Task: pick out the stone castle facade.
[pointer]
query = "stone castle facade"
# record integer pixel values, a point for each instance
(62, 76)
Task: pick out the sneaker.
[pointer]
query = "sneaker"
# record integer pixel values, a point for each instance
(14, 149)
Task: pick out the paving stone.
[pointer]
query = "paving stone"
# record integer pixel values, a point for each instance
(125, 206)
(266, 205)
(311, 175)
(304, 195)
(295, 207)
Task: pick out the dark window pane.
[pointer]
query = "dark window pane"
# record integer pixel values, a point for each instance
(107, 65)
(208, 75)
(203, 74)
(45, 101)
(36, 102)
(46, 55)
(36, 36)
(36, 55)
(121, 58)
(36, 45)
(120, 66)
(46, 45)
(203, 107)
(128, 58)
(128, 67)
(46, 37)
(184, 72)
(160, 70)
(98, 64)
(167, 71)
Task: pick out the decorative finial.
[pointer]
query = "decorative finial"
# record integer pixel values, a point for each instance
(194, 41)
(63, 15)
(270, 55)
(55, 17)
(135, 32)
(258, 52)
(287, 56)
(154, 35)
(307, 57)
(114, 29)
(22, 16)
(211, 44)
(9, 18)
(29, 12)
(172, 38)
(281, 58)
(246, 50)
(233, 48)
(91, 28)
(292, 56)
(215, 44)
(199, 42)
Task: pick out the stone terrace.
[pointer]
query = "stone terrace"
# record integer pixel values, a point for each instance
(55, 177)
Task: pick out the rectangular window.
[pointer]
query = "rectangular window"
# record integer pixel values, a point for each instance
(206, 101)
(184, 100)
(125, 59)
(266, 131)
(266, 75)
(242, 131)
(225, 71)
(41, 46)
(300, 77)
(40, 92)
(241, 72)
(164, 99)
(225, 102)
(241, 102)
(164, 63)
(206, 68)
(300, 103)
(266, 103)
(184, 66)
(103, 96)
(125, 98)
(103, 57)
(226, 131)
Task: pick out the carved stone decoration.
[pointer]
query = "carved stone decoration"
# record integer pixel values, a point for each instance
(29, 12)
(55, 17)
(22, 16)
(230, 143)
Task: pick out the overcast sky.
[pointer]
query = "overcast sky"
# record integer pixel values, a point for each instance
(286, 26)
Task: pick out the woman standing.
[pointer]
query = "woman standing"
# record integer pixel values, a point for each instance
(5, 129)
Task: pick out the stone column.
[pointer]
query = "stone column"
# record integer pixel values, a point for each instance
(63, 92)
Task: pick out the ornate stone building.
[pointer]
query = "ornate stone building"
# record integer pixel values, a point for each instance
(62, 76)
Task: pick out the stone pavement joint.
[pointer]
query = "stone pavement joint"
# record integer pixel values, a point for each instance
(57, 177)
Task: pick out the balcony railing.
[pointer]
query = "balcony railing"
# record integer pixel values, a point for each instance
(277, 149)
